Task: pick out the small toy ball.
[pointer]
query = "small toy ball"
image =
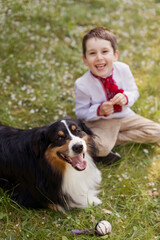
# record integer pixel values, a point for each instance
(102, 228)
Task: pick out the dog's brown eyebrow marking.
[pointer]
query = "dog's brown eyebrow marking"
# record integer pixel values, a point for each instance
(73, 127)
(61, 133)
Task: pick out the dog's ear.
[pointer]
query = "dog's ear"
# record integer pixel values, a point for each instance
(84, 127)
(38, 141)
(65, 118)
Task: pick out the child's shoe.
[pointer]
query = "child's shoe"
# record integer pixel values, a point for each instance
(111, 158)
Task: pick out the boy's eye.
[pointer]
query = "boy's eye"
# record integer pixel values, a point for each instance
(92, 53)
(105, 51)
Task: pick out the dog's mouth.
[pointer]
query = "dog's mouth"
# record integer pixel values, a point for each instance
(78, 162)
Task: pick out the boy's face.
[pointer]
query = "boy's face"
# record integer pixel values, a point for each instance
(100, 56)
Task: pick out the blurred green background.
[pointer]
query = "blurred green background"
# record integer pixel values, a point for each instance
(40, 59)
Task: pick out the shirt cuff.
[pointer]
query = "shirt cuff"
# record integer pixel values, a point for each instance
(126, 98)
(98, 111)
(117, 108)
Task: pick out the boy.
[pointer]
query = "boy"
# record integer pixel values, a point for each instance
(105, 94)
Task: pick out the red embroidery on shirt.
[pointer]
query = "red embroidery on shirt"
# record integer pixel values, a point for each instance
(111, 90)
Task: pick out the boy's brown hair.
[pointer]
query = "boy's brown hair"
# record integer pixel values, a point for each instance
(102, 33)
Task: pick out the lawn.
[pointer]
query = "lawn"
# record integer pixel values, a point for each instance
(40, 58)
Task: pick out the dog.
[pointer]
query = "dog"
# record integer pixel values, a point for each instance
(50, 166)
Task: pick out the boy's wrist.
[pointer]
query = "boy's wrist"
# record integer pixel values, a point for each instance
(100, 112)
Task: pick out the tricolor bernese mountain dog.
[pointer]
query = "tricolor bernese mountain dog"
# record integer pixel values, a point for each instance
(50, 166)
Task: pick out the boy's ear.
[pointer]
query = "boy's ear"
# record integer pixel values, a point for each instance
(116, 55)
(85, 60)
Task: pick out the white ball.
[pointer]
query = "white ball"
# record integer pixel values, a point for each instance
(102, 228)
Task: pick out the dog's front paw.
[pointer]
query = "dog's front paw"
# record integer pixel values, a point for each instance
(94, 201)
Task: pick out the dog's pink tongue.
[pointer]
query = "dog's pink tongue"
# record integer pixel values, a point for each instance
(79, 163)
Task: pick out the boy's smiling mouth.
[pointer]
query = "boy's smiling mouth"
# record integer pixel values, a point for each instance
(100, 66)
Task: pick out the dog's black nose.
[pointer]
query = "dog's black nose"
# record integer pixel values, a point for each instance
(77, 148)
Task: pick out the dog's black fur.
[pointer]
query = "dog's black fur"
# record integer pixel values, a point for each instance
(25, 172)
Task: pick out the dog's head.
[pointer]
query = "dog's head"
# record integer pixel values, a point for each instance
(67, 141)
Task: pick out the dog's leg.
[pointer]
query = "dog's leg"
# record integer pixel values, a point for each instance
(94, 201)
(55, 207)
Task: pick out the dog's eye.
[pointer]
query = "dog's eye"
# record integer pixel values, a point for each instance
(76, 131)
(59, 138)
(60, 135)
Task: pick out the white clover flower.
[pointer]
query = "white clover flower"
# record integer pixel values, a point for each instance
(24, 87)
(145, 151)
(32, 111)
(33, 99)
(13, 96)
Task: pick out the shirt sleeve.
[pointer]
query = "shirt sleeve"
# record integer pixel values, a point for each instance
(130, 87)
(83, 107)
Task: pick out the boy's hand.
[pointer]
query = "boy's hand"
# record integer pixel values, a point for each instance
(106, 108)
(119, 99)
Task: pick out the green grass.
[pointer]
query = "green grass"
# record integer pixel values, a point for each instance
(40, 58)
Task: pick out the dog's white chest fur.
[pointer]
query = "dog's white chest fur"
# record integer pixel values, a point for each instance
(82, 186)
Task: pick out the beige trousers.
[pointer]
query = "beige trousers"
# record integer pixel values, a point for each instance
(111, 132)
